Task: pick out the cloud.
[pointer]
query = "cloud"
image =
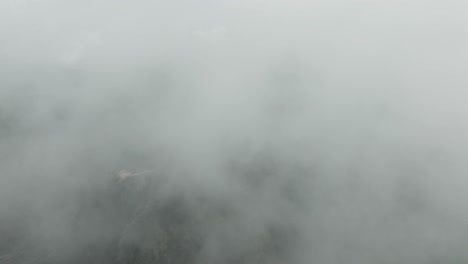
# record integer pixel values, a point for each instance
(312, 131)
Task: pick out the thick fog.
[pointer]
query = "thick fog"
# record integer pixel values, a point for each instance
(279, 131)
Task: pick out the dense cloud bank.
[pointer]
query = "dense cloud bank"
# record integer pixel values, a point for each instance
(269, 131)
